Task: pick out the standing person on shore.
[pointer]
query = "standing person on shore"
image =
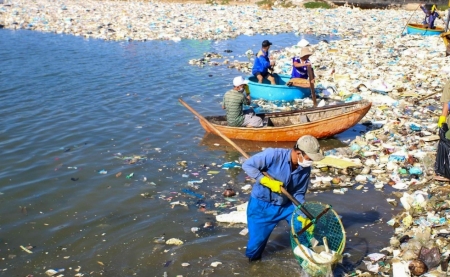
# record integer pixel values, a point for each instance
(430, 15)
(233, 103)
(291, 169)
(445, 100)
(262, 64)
(300, 69)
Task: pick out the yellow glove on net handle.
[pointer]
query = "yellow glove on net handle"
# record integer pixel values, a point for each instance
(441, 120)
(306, 222)
(273, 185)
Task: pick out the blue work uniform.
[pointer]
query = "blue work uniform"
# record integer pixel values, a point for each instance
(429, 19)
(262, 63)
(266, 208)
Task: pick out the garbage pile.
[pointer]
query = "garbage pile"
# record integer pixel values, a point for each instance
(134, 20)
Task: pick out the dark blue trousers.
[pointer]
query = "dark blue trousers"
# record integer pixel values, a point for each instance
(262, 217)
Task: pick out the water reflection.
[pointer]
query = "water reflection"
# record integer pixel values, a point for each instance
(216, 143)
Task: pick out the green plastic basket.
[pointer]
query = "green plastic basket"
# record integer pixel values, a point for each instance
(328, 225)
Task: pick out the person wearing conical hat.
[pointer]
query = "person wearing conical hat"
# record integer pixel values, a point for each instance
(299, 73)
(430, 15)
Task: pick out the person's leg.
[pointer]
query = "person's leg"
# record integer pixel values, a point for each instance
(251, 120)
(260, 223)
(271, 79)
(259, 77)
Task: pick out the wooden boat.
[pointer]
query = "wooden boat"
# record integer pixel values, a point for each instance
(320, 122)
(420, 29)
(446, 38)
(280, 91)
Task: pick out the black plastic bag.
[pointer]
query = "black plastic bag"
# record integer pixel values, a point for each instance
(442, 164)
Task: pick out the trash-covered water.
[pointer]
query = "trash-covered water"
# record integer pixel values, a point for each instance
(93, 142)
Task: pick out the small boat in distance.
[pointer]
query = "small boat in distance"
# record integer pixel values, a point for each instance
(280, 91)
(420, 29)
(320, 122)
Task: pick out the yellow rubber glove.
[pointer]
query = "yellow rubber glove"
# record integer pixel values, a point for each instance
(247, 89)
(305, 221)
(441, 121)
(273, 185)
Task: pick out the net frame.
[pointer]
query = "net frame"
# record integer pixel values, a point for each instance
(329, 225)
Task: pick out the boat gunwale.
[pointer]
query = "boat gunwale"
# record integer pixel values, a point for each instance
(421, 28)
(364, 105)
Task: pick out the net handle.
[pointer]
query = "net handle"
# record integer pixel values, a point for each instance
(296, 203)
(313, 221)
(340, 248)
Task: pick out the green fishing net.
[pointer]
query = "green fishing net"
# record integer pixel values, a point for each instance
(327, 224)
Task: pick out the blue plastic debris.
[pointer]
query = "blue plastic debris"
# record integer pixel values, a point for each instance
(230, 165)
(397, 158)
(414, 127)
(190, 192)
(415, 170)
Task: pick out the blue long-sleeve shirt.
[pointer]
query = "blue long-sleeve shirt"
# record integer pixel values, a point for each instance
(429, 19)
(262, 63)
(277, 163)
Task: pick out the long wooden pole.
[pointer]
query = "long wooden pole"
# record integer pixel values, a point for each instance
(283, 190)
(426, 97)
(311, 85)
(409, 19)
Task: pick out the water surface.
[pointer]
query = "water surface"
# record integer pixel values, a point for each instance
(72, 107)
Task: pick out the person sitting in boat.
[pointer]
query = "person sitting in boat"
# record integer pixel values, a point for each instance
(262, 64)
(299, 73)
(430, 15)
(233, 103)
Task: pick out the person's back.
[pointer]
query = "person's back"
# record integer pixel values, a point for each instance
(233, 103)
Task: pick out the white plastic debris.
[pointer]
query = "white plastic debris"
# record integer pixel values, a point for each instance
(215, 264)
(233, 217)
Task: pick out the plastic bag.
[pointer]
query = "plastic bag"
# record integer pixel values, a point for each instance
(442, 164)
(431, 257)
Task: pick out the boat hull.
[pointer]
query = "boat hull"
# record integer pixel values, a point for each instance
(320, 128)
(278, 92)
(445, 37)
(419, 29)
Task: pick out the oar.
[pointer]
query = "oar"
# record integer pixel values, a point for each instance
(311, 85)
(409, 19)
(426, 97)
(283, 190)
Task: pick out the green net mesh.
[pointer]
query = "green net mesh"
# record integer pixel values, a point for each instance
(328, 225)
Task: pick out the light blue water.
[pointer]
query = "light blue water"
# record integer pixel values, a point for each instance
(72, 107)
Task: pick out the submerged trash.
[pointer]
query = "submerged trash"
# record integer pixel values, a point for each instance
(229, 192)
(174, 241)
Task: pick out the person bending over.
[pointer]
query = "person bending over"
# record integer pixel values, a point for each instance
(289, 168)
